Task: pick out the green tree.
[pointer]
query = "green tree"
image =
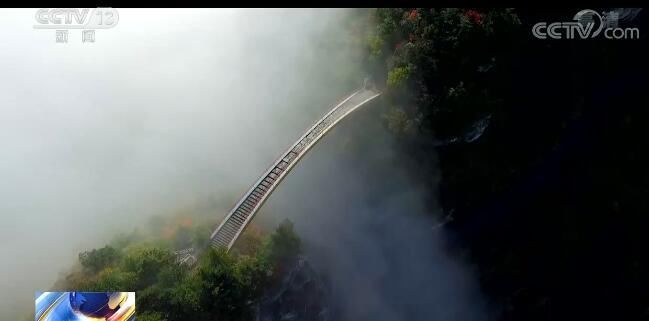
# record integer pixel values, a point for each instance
(146, 263)
(223, 293)
(284, 244)
(114, 279)
(223, 286)
(443, 66)
(97, 259)
(398, 75)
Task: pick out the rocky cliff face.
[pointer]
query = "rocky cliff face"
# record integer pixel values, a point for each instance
(301, 295)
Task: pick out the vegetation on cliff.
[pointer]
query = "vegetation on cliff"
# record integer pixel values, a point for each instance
(220, 286)
(540, 147)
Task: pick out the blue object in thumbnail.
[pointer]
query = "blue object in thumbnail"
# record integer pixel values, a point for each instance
(92, 304)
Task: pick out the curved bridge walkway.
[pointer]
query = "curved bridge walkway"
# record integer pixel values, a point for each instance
(236, 221)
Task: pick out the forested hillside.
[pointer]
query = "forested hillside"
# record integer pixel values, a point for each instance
(542, 146)
(220, 286)
(542, 149)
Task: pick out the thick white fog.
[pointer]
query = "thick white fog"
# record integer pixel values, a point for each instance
(168, 107)
(172, 107)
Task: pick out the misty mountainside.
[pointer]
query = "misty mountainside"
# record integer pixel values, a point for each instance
(497, 177)
(541, 149)
(170, 108)
(302, 294)
(263, 274)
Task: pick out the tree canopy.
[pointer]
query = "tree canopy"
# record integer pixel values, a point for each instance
(221, 286)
